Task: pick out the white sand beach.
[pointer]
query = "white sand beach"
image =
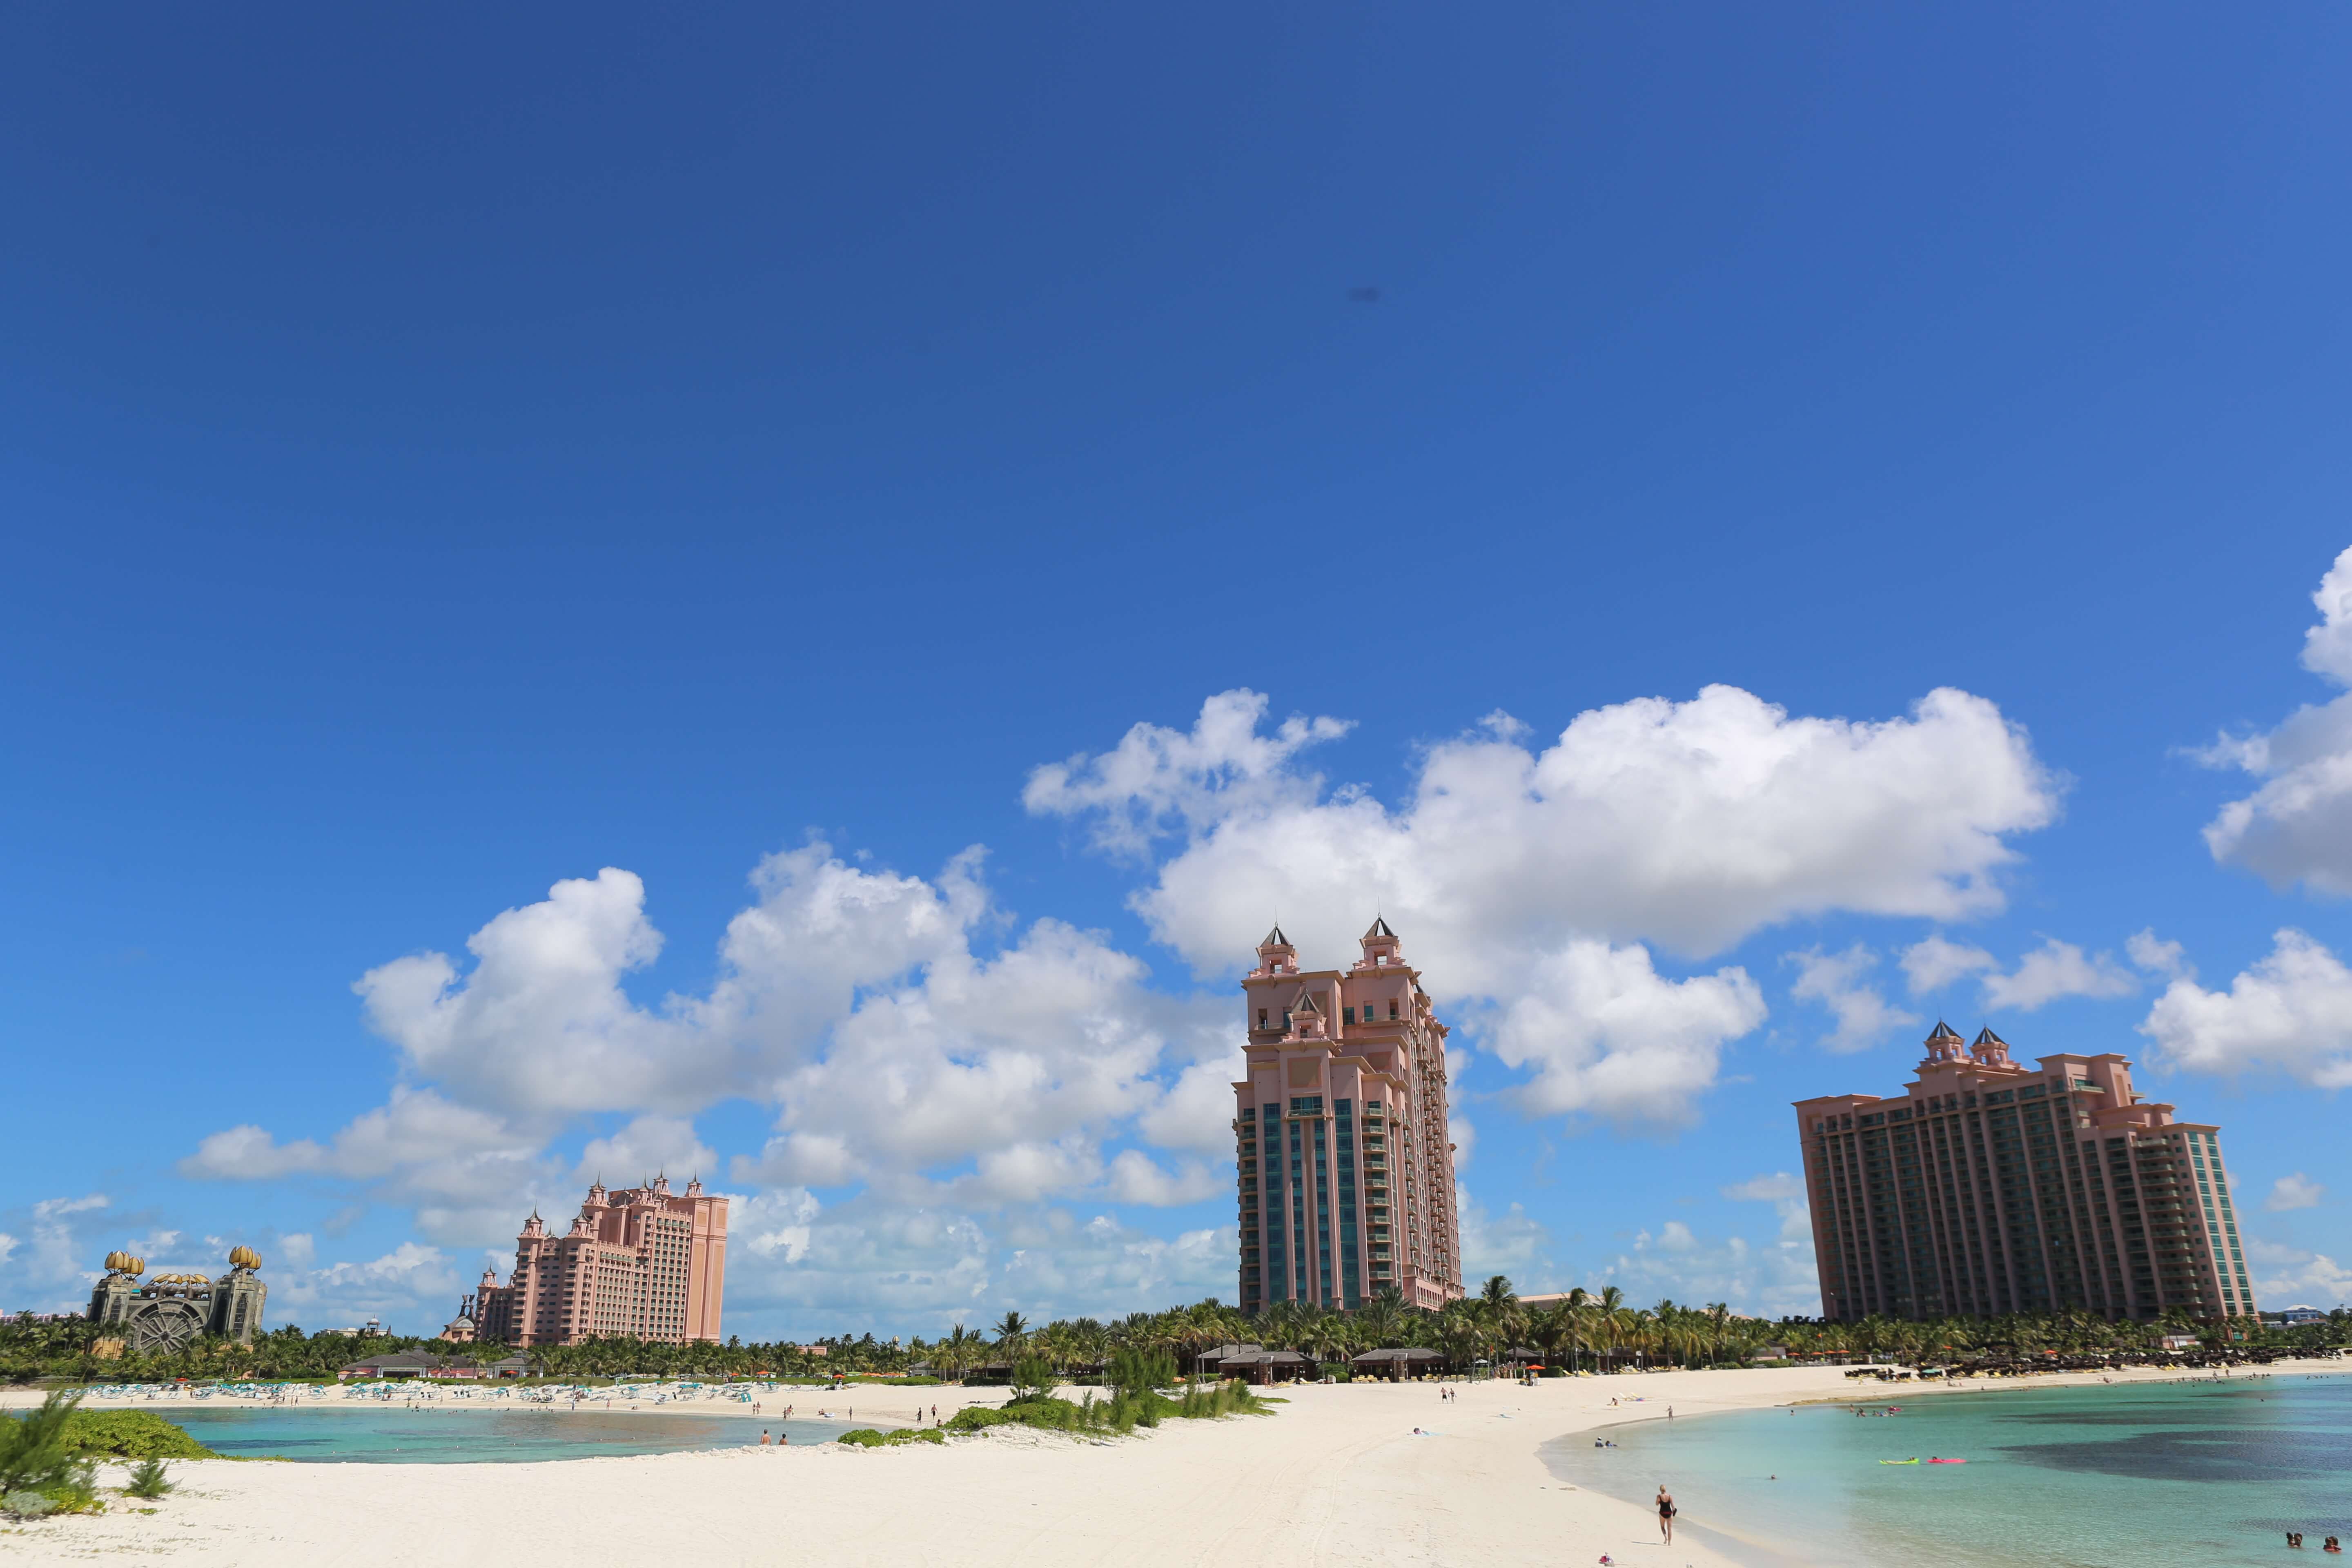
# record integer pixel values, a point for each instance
(1337, 1476)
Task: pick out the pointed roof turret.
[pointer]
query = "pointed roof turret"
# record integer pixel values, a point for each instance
(1380, 929)
(1943, 1045)
(1275, 956)
(1305, 1003)
(1985, 1037)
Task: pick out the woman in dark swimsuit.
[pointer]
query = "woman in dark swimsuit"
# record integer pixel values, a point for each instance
(1667, 1515)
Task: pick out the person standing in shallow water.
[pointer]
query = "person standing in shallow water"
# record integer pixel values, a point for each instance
(1667, 1515)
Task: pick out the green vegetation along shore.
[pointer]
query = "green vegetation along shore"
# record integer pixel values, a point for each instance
(1597, 1331)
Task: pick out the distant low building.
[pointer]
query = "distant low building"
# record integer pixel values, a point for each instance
(465, 1327)
(397, 1364)
(2294, 1317)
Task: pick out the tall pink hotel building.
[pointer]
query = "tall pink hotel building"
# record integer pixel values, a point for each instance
(1346, 1177)
(642, 1263)
(1991, 1188)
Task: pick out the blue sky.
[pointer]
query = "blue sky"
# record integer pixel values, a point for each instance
(706, 465)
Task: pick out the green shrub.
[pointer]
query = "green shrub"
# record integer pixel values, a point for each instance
(35, 1457)
(1033, 1378)
(147, 1479)
(868, 1437)
(1139, 1372)
(130, 1434)
(976, 1418)
(27, 1505)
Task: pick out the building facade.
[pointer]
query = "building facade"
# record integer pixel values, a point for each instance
(1345, 1174)
(643, 1263)
(1990, 1186)
(167, 1313)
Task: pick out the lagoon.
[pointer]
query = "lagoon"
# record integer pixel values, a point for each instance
(2211, 1473)
(363, 1433)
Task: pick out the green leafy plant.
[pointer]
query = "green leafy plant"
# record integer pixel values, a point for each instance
(868, 1437)
(147, 1479)
(27, 1505)
(129, 1435)
(1033, 1378)
(35, 1457)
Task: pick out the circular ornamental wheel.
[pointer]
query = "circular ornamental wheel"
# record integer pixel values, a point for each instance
(160, 1328)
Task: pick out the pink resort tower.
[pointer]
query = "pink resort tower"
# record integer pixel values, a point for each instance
(1341, 1132)
(643, 1263)
(1991, 1188)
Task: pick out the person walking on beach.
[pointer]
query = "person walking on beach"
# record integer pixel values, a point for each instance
(1667, 1515)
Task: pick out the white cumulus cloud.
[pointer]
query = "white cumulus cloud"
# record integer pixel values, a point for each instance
(2293, 1277)
(2297, 826)
(1837, 981)
(2290, 1012)
(1157, 780)
(1675, 1261)
(1529, 883)
(1601, 1032)
(1930, 965)
(2295, 1192)
(2054, 970)
(1687, 824)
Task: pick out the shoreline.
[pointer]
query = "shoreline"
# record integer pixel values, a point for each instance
(1336, 1475)
(1738, 1542)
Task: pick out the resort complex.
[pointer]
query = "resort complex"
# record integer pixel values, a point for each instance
(642, 1263)
(157, 1315)
(1342, 1117)
(1995, 1187)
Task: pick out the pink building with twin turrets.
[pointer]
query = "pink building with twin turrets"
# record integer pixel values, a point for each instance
(643, 1263)
(1992, 1187)
(1346, 1176)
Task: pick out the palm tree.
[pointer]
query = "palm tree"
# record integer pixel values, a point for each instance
(1611, 1319)
(1460, 1333)
(1500, 1315)
(1011, 1335)
(1330, 1338)
(1381, 1321)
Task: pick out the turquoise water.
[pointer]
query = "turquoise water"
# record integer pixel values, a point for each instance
(388, 1435)
(2209, 1473)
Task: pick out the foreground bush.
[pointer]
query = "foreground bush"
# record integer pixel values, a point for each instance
(129, 1435)
(39, 1471)
(1123, 1412)
(147, 1479)
(868, 1437)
